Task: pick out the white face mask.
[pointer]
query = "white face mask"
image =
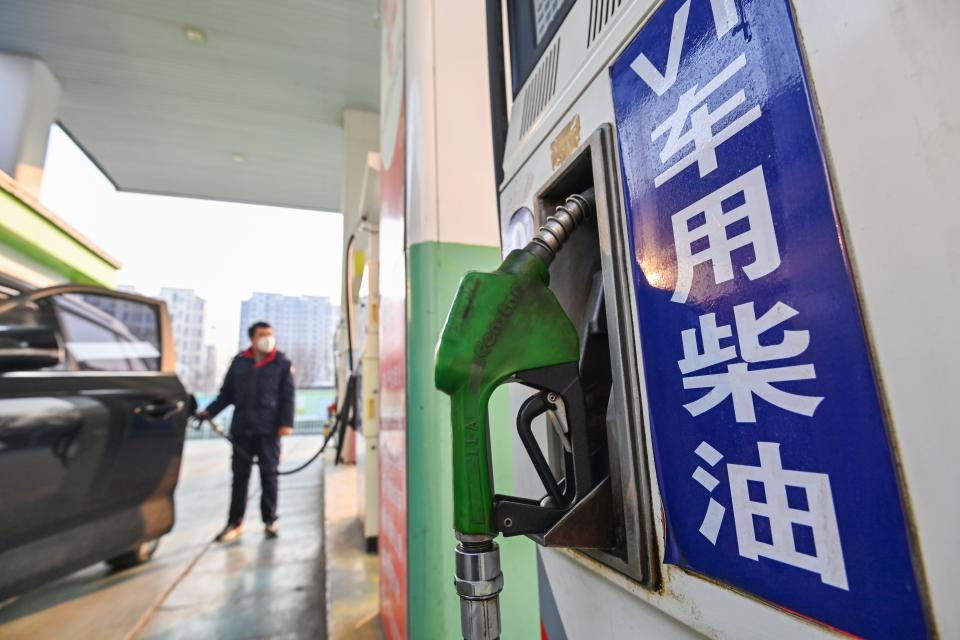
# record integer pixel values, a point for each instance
(266, 344)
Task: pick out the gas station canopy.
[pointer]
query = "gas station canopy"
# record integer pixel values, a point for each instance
(237, 100)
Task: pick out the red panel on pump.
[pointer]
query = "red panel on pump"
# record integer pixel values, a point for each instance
(393, 339)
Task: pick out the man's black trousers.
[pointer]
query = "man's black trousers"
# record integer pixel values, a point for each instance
(266, 449)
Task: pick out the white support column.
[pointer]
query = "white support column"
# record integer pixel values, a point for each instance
(451, 188)
(31, 98)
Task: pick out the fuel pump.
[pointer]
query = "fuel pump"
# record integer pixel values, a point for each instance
(508, 326)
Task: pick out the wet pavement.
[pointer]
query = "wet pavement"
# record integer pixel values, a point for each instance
(253, 588)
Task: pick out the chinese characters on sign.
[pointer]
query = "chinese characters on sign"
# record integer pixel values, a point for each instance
(739, 382)
(706, 222)
(792, 509)
(752, 342)
(706, 233)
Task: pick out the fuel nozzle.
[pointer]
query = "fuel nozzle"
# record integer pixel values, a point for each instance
(507, 324)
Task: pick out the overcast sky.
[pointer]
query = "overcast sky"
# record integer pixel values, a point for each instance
(224, 251)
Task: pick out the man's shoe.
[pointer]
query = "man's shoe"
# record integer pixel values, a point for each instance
(272, 529)
(230, 533)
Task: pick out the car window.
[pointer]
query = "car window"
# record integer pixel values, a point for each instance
(105, 333)
(28, 315)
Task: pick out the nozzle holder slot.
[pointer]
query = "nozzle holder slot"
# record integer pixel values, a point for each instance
(612, 523)
(588, 525)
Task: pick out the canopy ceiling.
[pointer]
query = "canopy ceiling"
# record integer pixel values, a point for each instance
(249, 109)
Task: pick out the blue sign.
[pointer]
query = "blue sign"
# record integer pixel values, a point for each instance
(771, 446)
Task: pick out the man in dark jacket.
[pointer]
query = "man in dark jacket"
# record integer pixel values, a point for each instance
(259, 384)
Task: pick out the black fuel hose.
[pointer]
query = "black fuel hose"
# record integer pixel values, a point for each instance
(246, 454)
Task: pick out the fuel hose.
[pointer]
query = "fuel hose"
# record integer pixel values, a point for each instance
(217, 429)
(339, 427)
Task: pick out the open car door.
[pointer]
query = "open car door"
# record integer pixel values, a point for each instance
(92, 423)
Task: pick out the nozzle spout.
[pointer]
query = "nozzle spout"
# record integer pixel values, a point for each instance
(479, 582)
(557, 228)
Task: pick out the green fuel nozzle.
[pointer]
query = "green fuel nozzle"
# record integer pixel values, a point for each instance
(507, 325)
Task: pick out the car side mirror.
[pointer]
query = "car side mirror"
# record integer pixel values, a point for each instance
(29, 348)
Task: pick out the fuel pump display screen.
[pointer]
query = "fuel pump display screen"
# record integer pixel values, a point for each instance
(544, 13)
(771, 446)
(532, 24)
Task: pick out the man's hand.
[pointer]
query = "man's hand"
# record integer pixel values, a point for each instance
(284, 431)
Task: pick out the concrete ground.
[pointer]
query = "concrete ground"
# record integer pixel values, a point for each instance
(254, 588)
(352, 573)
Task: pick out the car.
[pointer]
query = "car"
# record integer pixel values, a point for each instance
(92, 426)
